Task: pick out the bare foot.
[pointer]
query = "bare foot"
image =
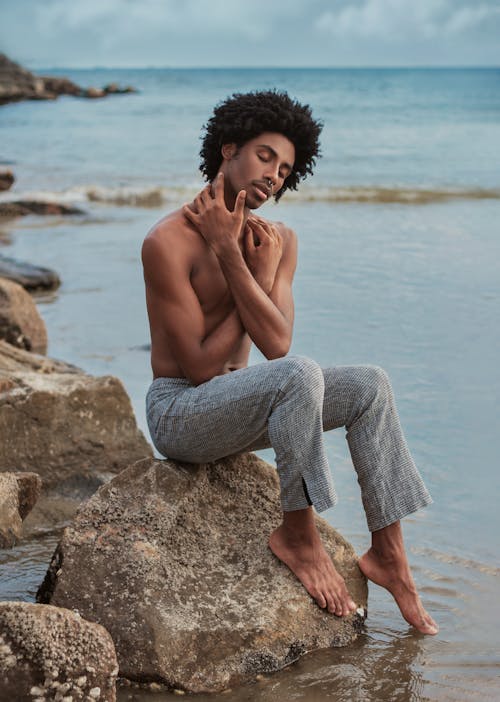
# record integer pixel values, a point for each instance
(394, 574)
(307, 559)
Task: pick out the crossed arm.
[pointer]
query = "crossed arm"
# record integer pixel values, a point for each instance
(259, 280)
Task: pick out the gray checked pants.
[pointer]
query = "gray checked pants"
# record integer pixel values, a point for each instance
(286, 404)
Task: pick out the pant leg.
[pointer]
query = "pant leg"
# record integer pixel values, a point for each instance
(360, 398)
(391, 486)
(222, 416)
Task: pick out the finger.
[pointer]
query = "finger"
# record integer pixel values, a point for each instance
(189, 214)
(239, 205)
(260, 232)
(219, 187)
(205, 196)
(249, 239)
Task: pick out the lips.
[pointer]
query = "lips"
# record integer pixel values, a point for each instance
(262, 190)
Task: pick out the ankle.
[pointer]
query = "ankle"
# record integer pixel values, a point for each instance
(299, 527)
(388, 553)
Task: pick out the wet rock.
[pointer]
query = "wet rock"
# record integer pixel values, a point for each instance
(20, 322)
(94, 93)
(6, 179)
(62, 423)
(173, 560)
(114, 89)
(21, 208)
(50, 654)
(18, 494)
(29, 276)
(60, 86)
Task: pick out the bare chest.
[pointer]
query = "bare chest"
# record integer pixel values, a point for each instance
(210, 286)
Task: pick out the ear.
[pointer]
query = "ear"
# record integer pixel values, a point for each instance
(228, 151)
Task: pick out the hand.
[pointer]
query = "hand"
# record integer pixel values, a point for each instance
(217, 225)
(263, 251)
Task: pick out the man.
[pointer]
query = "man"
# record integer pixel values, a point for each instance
(219, 277)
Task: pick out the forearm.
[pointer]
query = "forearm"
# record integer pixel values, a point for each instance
(218, 346)
(267, 327)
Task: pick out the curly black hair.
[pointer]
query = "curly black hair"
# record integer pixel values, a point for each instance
(244, 116)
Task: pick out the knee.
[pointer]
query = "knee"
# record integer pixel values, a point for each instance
(304, 374)
(376, 384)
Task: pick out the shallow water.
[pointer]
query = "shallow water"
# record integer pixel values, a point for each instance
(412, 288)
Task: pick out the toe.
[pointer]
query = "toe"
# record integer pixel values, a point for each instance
(332, 606)
(319, 597)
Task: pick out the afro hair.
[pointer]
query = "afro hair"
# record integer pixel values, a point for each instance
(244, 116)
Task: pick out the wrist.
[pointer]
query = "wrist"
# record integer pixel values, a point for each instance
(227, 249)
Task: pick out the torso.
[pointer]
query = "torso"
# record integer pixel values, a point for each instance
(210, 287)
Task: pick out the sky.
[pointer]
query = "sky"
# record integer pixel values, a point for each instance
(194, 33)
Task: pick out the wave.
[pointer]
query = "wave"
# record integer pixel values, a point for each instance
(158, 195)
(405, 196)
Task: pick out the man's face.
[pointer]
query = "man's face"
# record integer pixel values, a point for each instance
(260, 167)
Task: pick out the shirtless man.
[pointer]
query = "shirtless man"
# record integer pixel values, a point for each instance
(219, 277)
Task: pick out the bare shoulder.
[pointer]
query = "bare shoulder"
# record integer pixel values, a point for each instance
(172, 239)
(289, 238)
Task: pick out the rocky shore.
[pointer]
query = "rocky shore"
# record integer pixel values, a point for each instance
(17, 83)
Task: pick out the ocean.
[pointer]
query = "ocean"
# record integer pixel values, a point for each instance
(399, 266)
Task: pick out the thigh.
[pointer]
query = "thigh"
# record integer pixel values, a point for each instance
(222, 416)
(344, 386)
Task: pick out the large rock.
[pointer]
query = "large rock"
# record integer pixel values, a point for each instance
(20, 321)
(173, 560)
(18, 494)
(49, 654)
(62, 423)
(29, 276)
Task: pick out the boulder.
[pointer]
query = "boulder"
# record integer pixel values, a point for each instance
(29, 276)
(20, 322)
(49, 654)
(172, 559)
(94, 93)
(68, 426)
(6, 179)
(18, 494)
(16, 83)
(61, 86)
(20, 208)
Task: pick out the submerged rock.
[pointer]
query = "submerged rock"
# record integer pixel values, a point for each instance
(21, 208)
(20, 322)
(29, 276)
(18, 494)
(62, 423)
(173, 560)
(48, 653)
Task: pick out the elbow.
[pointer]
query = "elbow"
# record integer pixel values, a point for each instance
(198, 374)
(279, 349)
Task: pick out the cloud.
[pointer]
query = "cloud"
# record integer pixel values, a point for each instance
(400, 20)
(257, 33)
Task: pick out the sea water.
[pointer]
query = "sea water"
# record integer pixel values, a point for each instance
(399, 266)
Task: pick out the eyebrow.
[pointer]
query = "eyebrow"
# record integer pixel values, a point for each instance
(275, 154)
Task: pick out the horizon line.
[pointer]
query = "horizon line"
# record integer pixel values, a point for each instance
(269, 68)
